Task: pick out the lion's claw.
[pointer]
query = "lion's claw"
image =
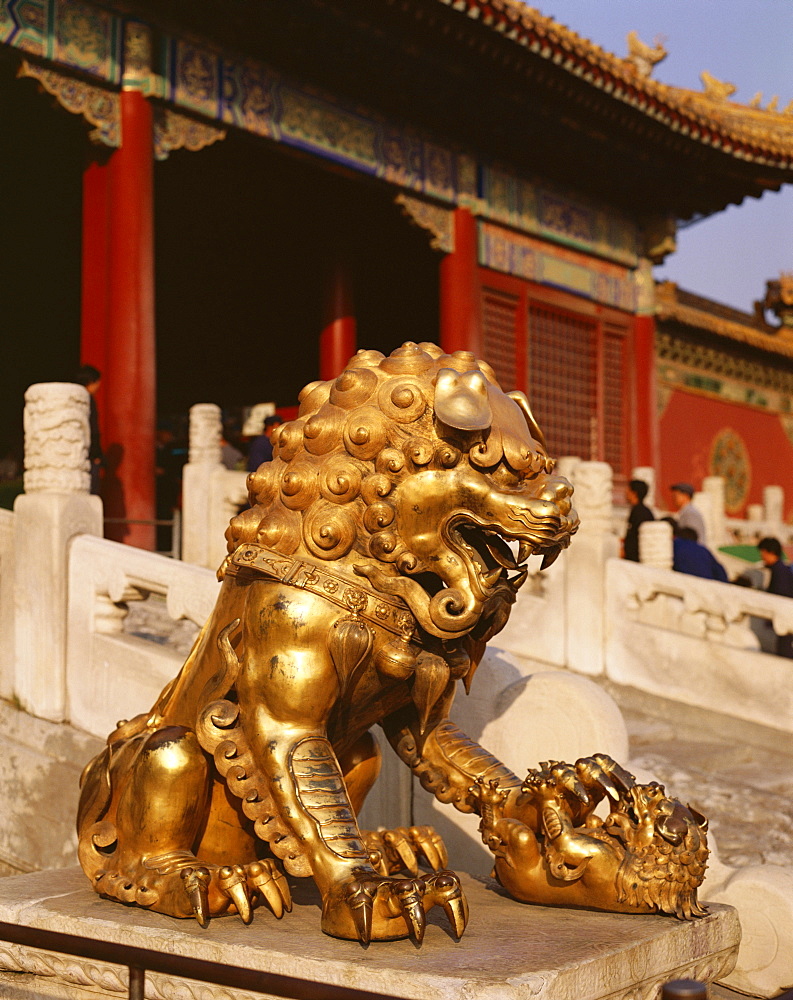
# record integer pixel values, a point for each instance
(196, 884)
(399, 849)
(602, 772)
(232, 882)
(266, 878)
(409, 893)
(395, 840)
(445, 888)
(431, 845)
(360, 899)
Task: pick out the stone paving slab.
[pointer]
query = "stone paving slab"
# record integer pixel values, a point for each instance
(509, 951)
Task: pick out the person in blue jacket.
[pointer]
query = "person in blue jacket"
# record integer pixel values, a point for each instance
(695, 559)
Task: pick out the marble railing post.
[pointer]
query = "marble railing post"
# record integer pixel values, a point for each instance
(773, 504)
(204, 459)
(55, 507)
(586, 558)
(713, 487)
(655, 544)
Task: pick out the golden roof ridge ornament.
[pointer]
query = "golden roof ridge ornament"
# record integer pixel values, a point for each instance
(644, 57)
(778, 300)
(717, 90)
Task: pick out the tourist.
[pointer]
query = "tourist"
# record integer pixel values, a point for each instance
(230, 456)
(689, 516)
(692, 558)
(91, 377)
(636, 494)
(781, 583)
(262, 446)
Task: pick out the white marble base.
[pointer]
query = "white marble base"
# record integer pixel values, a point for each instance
(509, 951)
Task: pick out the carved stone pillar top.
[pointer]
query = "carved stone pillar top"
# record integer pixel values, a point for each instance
(754, 512)
(56, 438)
(593, 494)
(206, 428)
(715, 488)
(655, 544)
(774, 503)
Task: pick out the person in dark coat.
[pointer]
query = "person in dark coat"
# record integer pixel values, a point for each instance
(695, 559)
(262, 446)
(636, 493)
(781, 583)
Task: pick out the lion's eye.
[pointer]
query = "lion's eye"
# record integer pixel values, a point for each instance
(505, 478)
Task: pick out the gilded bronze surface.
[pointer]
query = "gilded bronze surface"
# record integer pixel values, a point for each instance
(384, 546)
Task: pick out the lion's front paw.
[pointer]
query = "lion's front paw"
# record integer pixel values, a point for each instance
(379, 908)
(401, 848)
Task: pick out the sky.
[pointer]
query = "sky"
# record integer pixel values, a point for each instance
(729, 256)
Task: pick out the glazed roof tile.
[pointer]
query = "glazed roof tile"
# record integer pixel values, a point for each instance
(757, 135)
(673, 303)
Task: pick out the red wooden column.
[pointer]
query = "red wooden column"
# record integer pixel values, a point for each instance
(338, 339)
(647, 437)
(460, 305)
(95, 265)
(130, 375)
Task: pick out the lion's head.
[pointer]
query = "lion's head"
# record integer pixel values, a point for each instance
(416, 471)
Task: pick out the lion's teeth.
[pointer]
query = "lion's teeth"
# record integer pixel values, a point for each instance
(524, 551)
(500, 551)
(550, 556)
(491, 579)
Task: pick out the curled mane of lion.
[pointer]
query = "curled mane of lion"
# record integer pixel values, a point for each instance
(357, 439)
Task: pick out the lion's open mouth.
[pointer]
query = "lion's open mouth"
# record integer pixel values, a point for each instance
(488, 553)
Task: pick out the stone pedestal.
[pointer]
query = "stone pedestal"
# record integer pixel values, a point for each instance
(509, 951)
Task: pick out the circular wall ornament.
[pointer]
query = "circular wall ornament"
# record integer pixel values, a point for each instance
(729, 458)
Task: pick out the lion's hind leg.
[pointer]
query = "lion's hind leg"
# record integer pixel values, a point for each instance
(141, 850)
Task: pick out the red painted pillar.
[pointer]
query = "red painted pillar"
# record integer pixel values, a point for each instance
(461, 322)
(95, 289)
(130, 376)
(338, 339)
(647, 438)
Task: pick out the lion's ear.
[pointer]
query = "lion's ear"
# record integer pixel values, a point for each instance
(534, 427)
(461, 400)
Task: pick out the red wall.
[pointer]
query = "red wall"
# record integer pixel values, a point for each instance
(689, 426)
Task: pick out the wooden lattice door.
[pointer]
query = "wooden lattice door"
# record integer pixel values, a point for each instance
(563, 385)
(573, 360)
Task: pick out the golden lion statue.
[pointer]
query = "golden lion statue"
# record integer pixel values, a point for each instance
(384, 546)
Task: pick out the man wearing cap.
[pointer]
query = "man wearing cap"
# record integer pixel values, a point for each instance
(688, 516)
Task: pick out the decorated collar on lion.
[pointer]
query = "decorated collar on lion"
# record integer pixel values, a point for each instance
(416, 472)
